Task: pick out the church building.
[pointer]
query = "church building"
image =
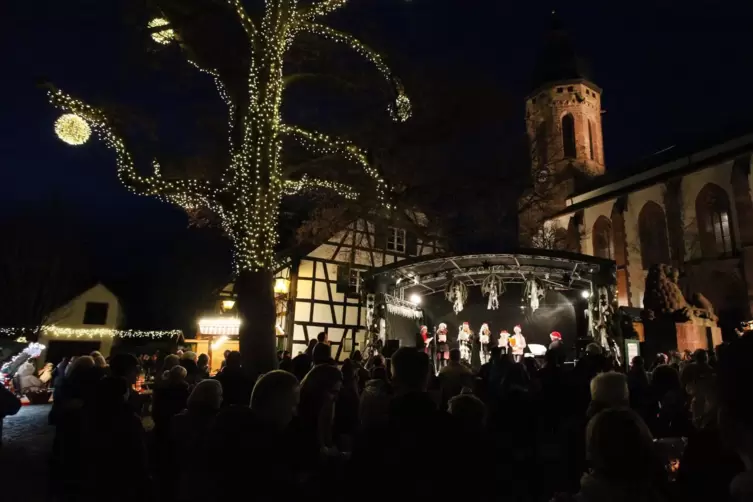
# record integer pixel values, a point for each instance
(688, 206)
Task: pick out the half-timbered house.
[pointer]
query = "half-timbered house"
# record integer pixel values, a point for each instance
(321, 291)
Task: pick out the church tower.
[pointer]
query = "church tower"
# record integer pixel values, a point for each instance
(563, 114)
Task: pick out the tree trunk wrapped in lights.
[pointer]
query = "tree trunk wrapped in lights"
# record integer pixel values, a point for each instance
(247, 197)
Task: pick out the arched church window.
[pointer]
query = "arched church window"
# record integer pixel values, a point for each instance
(652, 231)
(714, 219)
(591, 146)
(603, 244)
(568, 136)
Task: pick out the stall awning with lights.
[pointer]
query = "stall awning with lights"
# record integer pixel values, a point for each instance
(219, 326)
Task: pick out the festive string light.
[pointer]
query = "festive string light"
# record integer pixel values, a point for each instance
(165, 36)
(61, 332)
(248, 195)
(72, 129)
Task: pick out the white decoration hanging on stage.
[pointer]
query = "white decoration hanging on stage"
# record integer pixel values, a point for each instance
(402, 308)
(534, 293)
(457, 293)
(493, 286)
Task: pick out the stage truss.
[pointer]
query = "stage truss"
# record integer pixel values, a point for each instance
(555, 270)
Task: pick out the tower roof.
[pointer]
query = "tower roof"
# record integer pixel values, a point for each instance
(557, 59)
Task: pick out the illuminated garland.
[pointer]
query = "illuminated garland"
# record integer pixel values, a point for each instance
(247, 199)
(61, 332)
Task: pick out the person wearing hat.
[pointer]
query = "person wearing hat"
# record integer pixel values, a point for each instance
(556, 344)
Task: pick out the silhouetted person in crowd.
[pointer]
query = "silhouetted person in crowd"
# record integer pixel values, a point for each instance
(9, 405)
(301, 365)
(171, 360)
(236, 386)
(190, 439)
(322, 354)
(416, 436)
(375, 399)
(640, 389)
(203, 364)
(188, 361)
(708, 465)
(669, 404)
(454, 377)
(346, 408)
(624, 464)
(323, 337)
(735, 394)
(117, 441)
(70, 416)
(319, 392)
(261, 435)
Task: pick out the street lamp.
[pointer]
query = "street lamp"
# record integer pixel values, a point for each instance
(281, 285)
(228, 305)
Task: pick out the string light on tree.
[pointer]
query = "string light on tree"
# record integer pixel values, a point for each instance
(165, 36)
(72, 129)
(247, 195)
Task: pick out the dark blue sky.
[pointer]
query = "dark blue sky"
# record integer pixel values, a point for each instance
(666, 67)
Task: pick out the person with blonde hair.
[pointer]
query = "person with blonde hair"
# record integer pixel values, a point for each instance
(608, 390)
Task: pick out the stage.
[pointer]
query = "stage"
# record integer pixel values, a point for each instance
(541, 290)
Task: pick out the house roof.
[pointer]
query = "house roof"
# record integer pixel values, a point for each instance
(686, 156)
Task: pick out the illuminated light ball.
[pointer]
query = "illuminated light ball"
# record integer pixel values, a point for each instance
(585, 294)
(415, 299)
(163, 37)
(72, 129)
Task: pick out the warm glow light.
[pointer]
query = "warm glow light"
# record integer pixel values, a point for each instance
(585, 294)
(218, 343)
(228, 304)
(72, 129)
(281, 285)
(416, 299)
(165, 36)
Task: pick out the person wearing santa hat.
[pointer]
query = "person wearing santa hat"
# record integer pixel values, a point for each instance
(425, 339)
(557, 346)
(518, 343)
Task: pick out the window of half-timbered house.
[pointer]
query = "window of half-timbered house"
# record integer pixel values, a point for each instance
(396, 239)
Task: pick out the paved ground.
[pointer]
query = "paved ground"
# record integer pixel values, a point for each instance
(27, 440)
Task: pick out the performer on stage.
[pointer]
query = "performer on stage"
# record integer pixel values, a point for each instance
(518, 343)
(483, 343)
(464, 340)
(556, 347)
(443, 348)
(425, 339)
(504, 341)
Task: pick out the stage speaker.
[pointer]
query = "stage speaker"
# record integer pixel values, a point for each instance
(390, 348)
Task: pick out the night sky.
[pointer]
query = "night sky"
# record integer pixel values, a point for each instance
(666, 68)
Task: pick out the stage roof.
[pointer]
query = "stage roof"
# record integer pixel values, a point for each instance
(558, 269)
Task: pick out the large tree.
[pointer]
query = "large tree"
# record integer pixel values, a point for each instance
(244, 52)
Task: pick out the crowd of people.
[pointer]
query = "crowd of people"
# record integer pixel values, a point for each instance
(373, 429)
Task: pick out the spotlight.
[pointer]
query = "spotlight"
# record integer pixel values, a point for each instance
(585, 294)
(416, 299)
